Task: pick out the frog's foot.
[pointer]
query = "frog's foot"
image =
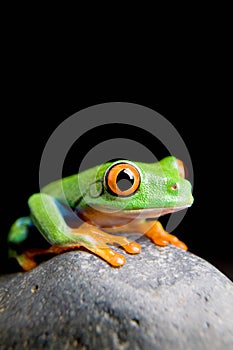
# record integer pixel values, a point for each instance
(97, 241)
(152, 229)
(162, 238)
(27, 259)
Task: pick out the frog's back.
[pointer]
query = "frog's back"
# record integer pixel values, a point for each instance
(72, 188)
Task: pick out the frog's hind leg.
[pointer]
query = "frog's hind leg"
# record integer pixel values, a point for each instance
(19, 230)
(48, 214)
(18, 233)
(90, 237)
(26, 262)
(27, 259)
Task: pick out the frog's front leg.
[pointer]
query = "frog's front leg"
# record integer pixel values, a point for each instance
(152, 229)
(161, 237)
(48, 216)
(100, 240)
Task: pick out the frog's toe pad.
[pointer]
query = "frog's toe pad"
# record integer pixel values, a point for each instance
(132, 247)
(113, 258)
(176, 242)
(117, 260)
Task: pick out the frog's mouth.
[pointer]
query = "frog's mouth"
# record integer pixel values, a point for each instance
(150, 213)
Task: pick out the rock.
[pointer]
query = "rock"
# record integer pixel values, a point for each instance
(163, 298)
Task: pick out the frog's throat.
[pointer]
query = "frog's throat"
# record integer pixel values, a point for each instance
(105, 213)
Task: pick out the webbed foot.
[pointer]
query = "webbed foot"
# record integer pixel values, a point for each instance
(99, 240)
(162, 238)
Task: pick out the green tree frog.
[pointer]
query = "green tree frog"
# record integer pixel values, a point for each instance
(93, 210)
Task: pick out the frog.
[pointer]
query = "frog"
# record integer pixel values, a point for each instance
(97, 209)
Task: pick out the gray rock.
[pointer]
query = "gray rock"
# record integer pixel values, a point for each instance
(163, 298)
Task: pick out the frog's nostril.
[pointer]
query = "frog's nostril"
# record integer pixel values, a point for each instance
(175, 187)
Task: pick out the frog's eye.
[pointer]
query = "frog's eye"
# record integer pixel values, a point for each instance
(122, 179)
(181, 168)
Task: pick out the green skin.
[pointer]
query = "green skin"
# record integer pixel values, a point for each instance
(50, 210)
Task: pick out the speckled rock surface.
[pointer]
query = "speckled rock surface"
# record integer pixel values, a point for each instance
(163, 298)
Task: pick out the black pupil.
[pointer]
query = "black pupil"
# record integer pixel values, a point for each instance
(125, 180)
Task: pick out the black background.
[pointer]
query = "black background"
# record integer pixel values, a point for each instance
(187, 84)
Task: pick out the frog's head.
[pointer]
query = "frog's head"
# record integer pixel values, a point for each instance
(125, 186)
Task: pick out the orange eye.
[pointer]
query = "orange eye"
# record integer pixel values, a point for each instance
(123, 179)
